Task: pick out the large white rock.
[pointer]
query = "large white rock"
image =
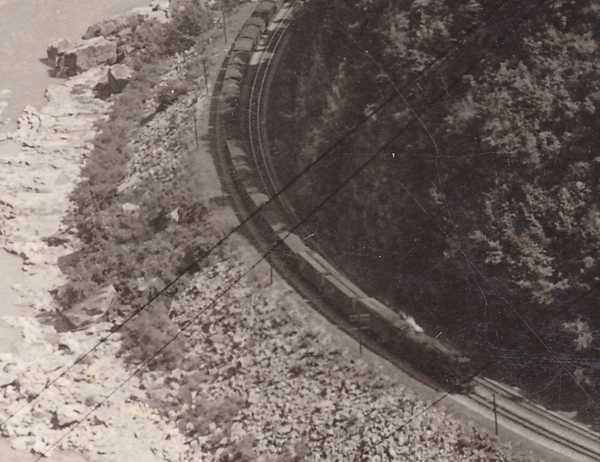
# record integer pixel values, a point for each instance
(119, 76)
(160, 5)
(67, 415)
(55, 49)
(86, 55)
(111, 26)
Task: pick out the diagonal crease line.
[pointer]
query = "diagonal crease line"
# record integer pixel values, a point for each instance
(279, 241)
(226, 290)
(354, 129)
(469, 261)
(433, 403)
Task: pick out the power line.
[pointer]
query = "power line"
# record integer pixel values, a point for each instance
(188, 323)
(236, 280)
(469, 261)
(279, 240)
(348, 133)
(432, 404)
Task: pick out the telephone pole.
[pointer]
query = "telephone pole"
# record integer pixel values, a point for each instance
(363, 321)
(224, 20)
(495, 416)
(205, 74)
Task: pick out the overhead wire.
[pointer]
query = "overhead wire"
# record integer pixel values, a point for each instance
(170, 284)
(240, 277)
(469, 261)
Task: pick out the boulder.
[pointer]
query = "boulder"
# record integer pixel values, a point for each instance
(160, 5)
(112, 26)
(55, 49)
(94, 309)
(7, 378)
(86, 55)
(119, 76)
(175, 215)
(102, 87)
(67, 415)
(155, 12)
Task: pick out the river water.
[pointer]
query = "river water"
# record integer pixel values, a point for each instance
(26, 28)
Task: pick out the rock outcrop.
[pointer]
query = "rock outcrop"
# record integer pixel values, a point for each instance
(122, 25)
(119, 76)
(82, 56)
(55, 49)
(112, 26)
(114, 82)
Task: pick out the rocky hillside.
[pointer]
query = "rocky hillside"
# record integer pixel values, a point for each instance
(479, 213)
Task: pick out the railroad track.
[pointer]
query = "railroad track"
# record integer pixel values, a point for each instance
(259, 95)
(243, 161)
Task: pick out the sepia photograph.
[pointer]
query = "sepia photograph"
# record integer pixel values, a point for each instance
(300, 230)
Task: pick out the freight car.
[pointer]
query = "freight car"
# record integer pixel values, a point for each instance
(258, 22)
(265, 10)
(251, 32)
(242, 49)
(442, 364)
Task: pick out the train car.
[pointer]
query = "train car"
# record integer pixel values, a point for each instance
(234, 71)
(230, 102)
(251, 32)
(258, 22)
(441, 363)
(265, 10)
(240, 61)
(242, 49)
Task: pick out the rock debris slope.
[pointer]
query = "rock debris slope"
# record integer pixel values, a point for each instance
(37, 178)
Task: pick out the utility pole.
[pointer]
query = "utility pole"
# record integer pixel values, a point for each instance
(196, 137)
(205, 74)
(495, 415)
(363, 321)
(224, 20)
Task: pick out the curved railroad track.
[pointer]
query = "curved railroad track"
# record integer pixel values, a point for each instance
(242, 155)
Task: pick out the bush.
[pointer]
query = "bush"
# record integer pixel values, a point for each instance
(171, 91)
(132, 239)
(190, 18)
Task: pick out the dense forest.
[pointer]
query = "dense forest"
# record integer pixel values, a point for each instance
(475, 200)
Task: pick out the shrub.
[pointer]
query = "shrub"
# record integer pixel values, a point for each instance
(171, 91)
(190, 18)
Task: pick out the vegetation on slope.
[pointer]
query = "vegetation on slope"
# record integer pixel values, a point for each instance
(486, 224)
(140, 225)
(251, 379)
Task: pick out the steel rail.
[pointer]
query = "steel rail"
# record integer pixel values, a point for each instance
(257, 139)
(517, 414)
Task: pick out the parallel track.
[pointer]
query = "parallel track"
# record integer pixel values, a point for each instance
(541, 427)
(258, 142)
